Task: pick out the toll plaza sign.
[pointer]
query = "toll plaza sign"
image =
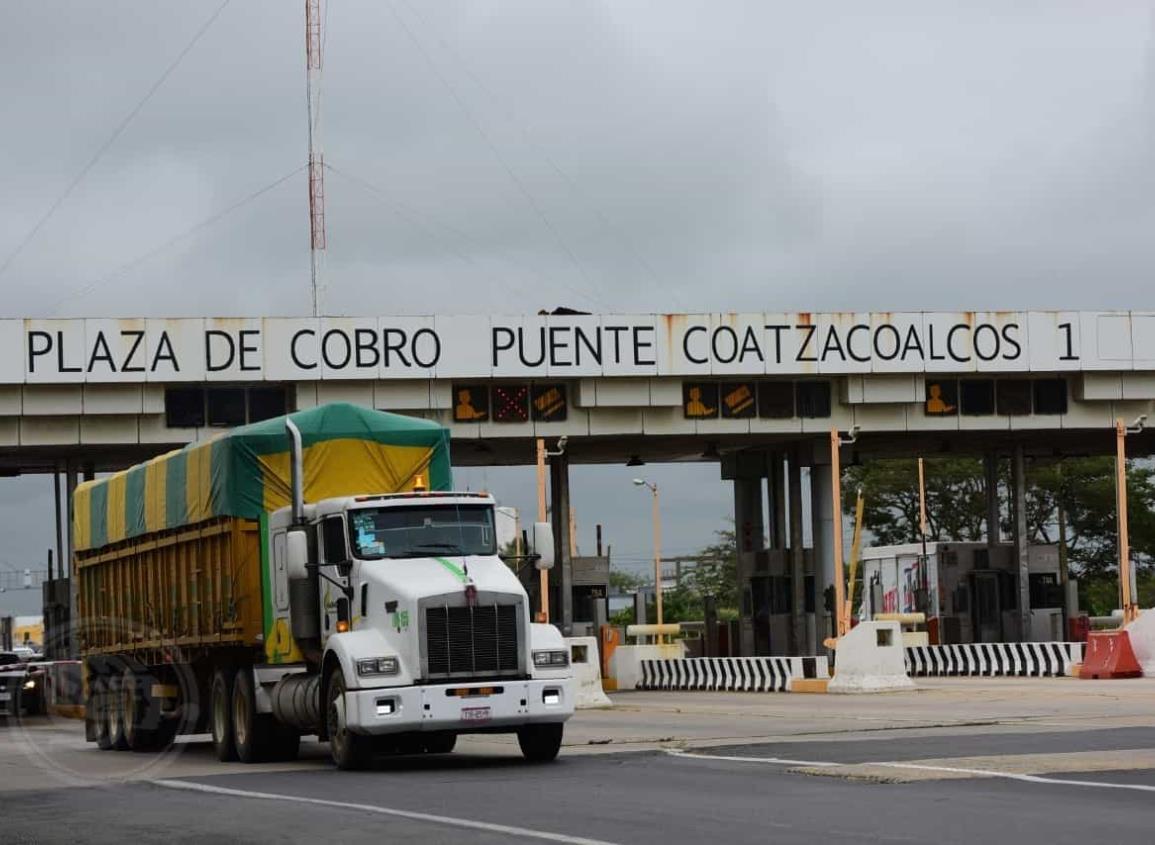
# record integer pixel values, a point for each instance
(550, 347)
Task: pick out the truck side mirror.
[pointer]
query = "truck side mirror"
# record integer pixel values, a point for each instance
(297, 553)
(543, 544)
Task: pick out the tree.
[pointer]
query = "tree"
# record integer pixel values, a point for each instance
(716, 571)
(956, 510)
(955, 494)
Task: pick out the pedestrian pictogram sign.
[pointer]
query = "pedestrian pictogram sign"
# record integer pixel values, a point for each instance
(470, 403)
(700, 400)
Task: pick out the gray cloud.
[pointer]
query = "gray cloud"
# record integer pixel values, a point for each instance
(626, 156)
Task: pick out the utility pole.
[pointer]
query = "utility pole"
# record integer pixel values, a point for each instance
(543, 575)
(314, 44)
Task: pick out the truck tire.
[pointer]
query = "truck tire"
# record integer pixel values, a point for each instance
(114, 714)
(349, 751)
(540, 743)
(135, 704)
(94, 711)
(440, 743)
(221, 714)
(259, 737)
(145, 727)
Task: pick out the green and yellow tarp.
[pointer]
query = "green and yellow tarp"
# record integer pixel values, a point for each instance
(245, 472)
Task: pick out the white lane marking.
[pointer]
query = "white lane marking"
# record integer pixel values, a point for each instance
(678, 752)
(1138, 787)
(469, 824)
(990, 773)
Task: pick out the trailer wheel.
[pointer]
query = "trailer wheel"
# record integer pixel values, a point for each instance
(114, 715)
(94, 712)
(220, 714)
(349, 750)
(145, 728)
(540, 743)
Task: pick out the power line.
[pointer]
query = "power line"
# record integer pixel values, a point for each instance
(527, 136)
(521, 186)
(111, 140)
(192, 230)
(413, 217)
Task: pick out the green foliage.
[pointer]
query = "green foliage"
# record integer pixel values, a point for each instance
(624, 582)
(716, 571)
(955, 496)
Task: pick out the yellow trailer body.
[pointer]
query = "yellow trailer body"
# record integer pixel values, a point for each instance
(173, 591)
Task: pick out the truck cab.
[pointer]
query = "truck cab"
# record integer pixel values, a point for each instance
(397, 610)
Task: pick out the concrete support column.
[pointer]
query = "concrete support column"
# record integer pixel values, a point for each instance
(802, 641)
(776, 490)
(561, 614)
(822, 514)
(991, 470)
(748, 529)
(1019, 476)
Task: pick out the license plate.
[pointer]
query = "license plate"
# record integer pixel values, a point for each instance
(475, 714)
(5, 696)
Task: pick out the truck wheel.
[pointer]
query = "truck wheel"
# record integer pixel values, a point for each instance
(259, 737)
(220, 714)
(94, 712)
(349, 750)
(540, 743)
(248, 734)
(440, 743)
(114, 715)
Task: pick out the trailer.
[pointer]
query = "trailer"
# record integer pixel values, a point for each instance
(312, 574)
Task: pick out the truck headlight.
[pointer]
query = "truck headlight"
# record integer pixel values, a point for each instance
(30, 684)
(548, 659)
(378, 666)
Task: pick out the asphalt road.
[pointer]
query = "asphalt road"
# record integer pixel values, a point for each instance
(633, 797)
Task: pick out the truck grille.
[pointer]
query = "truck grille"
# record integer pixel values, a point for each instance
(465, 641)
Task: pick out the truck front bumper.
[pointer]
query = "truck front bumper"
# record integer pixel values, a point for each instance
(462, 707)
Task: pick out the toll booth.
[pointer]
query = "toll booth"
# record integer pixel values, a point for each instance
(591, 590)
(968, 591)
(769, 598)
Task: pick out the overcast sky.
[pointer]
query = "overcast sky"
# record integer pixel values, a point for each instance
(625, 156)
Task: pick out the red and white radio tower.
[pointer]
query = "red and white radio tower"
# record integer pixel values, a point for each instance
(313, 58)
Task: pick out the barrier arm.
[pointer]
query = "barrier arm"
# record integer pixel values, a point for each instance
(855, 547)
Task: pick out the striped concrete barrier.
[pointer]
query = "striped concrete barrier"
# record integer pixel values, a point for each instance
(730, 674)
(993, 659)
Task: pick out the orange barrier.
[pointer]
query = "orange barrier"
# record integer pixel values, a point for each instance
(1109, 655)
(611, 639)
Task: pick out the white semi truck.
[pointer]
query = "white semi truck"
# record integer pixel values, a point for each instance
(378, 619)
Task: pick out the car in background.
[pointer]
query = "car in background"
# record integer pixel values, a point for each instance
(21, 684)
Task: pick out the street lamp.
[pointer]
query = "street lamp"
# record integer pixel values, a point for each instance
(653, 488)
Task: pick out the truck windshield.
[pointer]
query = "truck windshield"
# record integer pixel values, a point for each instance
(422, 531)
